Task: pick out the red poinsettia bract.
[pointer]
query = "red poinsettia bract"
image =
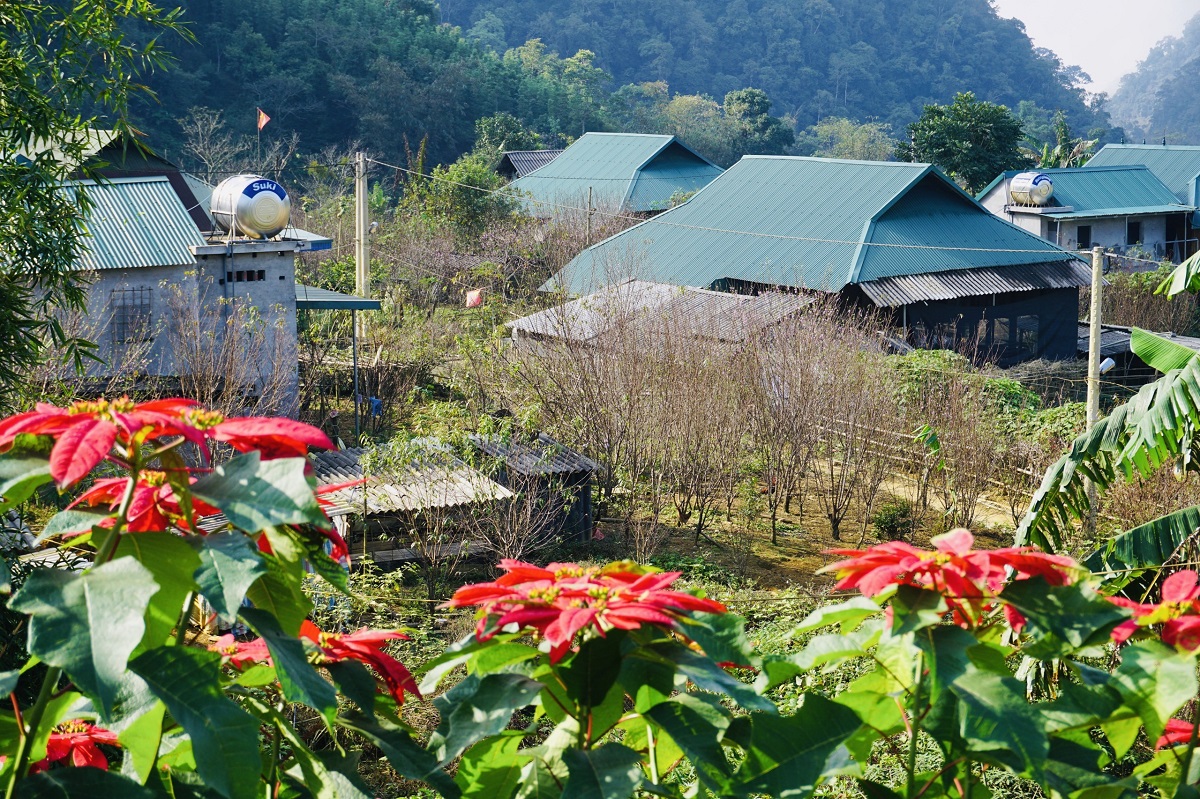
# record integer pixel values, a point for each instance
(155, 507)
(1178, 613)
(563, 599)
(274, 437)
(241, 654)
(365, 646)
(969, 580)
(1177, 732)
(76, 740)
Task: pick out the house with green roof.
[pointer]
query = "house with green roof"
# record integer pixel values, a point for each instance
(1115, 207)
(898, 237)
(620, 172)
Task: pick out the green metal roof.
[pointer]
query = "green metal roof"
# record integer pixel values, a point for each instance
(625, 171)
(312, 298)
(136, 222)
(1143, 210)
(1101, 191)
(1178, 166)
(812, 223)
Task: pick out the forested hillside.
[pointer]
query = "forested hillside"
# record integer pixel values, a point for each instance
(1159, 99)
(815, 58)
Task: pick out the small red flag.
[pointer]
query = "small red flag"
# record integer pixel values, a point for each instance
(474, 298)
(263, 119)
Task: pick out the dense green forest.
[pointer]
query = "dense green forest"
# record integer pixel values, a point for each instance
(1159, 99)
(816, 58)
(386, 72)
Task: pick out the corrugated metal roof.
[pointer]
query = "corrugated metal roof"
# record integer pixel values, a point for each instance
(543, 455)
(136, 222)
(1175, 165)
(521, 162)
(645, 306)
(94, 140)
(1097, 191)
(438, 480)
(1173, 208)
(312, 298)
(891, 292)
(626, 171)
(811, 223)
(1114, 339)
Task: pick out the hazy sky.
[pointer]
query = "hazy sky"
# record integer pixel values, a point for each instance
(1105, 37)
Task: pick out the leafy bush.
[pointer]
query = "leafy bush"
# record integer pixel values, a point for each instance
(895, 520)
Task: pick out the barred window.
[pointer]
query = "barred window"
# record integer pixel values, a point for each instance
(130, 314)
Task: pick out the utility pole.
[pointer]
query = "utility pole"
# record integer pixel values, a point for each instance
(588, 238)
(362, 269)
(1093, 374)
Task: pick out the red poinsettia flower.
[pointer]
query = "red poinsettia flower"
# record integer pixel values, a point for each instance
(274, 437)
(76, 740)
(1177, 732)
(563, 599)
(1178, 612)
(365, 646)
(240, 654)
(155, 506)
(86, 431)
(970, 580)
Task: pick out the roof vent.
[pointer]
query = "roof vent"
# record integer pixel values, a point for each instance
(1031, 188)
(251, 206)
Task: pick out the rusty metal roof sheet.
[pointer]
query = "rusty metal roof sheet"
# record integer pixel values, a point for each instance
(891, 292)
(543, 455)
(436, 480)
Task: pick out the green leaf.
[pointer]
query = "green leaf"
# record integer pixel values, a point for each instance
(355, 682)
(280, 592)
(592, 671)
(722, 636)
(1062, 619)
(612, 771)
(538, 782)
(140, 740)
(832, 649)
(501, 657)
(71, 522)
(647, 681)
(5, 577)
(406, 755)
(1155, 681)
(790, 755)
(847, 615)
(1073, 768)
(1159, 352)
(88, 624)
(705, 674)
(491, 769)
(229, 565)
(998, 723)
(1147, 545)
(916, 608)
(1185, 277)
(71, 783)
(8, 681)
(299, 681)
(697, 723)
(187, 680)
(476, 708)
(255, 494)
(20, 476)
(318, 780)
(172, 562)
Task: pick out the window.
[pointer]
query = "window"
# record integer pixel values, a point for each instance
(1083, 235)
(1027, 334)
(131, 315)
(1133, 232)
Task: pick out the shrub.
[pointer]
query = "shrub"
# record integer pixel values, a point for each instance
(894, 521)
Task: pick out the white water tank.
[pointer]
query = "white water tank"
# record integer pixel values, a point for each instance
(1031, 188)
(251, 206)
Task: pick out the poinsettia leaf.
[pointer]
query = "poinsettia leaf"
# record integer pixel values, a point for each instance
(611, 771)
(20, 476)
(70, 783)
(8, 681)
(355, 682)
(1159, 352)
(406, 756)
(255, 494)
(188, 681)
(476, 708)
(1155, 681)
(88, 624)
(705, 673)
(789, 756)
(697, 723)
(592, 671)
(279, 591)
(71, 522)
(916, 608)
(172, 562)
(1062, 619)
(846, 614)
(299, 681)
(722, 636)
(831, 649)
(140, 741)
(229, 565)
(491, 769)
(998, 723)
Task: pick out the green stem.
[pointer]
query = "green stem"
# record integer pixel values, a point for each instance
(650, 750)
(914, 725)
(181, 627)
(1187, 756)
(25, 747)
(275, 736)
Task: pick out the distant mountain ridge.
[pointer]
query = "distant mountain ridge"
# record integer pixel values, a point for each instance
(858, 58)
(1158, 99)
